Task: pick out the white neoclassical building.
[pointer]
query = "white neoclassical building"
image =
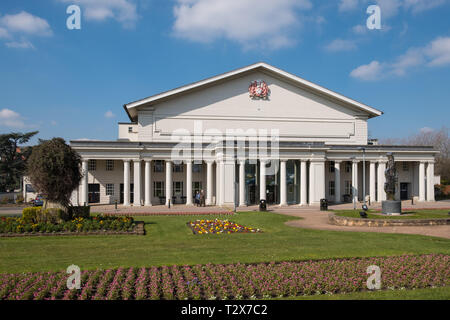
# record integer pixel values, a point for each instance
(249, 134)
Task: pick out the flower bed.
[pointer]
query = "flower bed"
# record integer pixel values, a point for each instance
(218, 226)
(11, 226)
(234, 281)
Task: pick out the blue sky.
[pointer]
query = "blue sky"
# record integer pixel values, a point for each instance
(73, 83)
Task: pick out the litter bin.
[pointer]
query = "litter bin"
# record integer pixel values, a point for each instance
(262, 205)
(323, 204)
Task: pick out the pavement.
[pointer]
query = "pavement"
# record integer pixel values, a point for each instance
(315, 219)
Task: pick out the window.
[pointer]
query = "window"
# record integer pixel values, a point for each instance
(158, 189)
(348, 166)
(109, 165)
(109, 189)
(331, 166)
(331, 188)
(196, 186)
(348, 187)
(178, 188)
(29, 188)
(92, 165)
(197, 167)
(177, 168)
(405, 166)
(130, 129)
(159, 166)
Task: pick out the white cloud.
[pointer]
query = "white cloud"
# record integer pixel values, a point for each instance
(341, 45)
(413, 57)
(360, 29)
(438, 51)
(10, 118)
(390, 8)
(435, 54)
(4, 34)
(426, 130)
(26, 23)
(417, 6)
(123, 11)
(348, 5)
(22, 25)
(368, 72)
(263, 23)
(21, 44)
(109, 114)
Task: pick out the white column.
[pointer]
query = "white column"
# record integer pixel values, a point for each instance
(372, 181)
(242, 202)
(209, 182)
(168, 182)
(84, 185)
(430, 181)
(126, 182)
(337, 181)
(188, 182)
(355, 180)
(148, 183)
(137, 182)
(283, 182)
(381, 181)
(303, 186)
(422, 181)
(311, 184)
(217, 183)
(262, 180)
(222, 182)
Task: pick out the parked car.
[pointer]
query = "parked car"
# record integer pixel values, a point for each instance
(39, 201)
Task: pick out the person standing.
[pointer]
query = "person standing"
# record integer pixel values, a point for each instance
(202, 198)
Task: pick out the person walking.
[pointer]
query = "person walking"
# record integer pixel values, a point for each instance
(197, 198)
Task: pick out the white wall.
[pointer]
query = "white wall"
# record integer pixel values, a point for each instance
(297, 113)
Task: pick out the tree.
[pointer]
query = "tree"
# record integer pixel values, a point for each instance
(54, 170)
(13, 158)
(439, 140)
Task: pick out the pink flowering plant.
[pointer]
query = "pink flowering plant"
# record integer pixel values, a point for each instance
(233, 281)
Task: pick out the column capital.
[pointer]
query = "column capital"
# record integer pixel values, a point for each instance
(431, 162)
(148, 160)
(382, 161)
(336, 161)
(126, 160)
(209, 161)
(355, 161)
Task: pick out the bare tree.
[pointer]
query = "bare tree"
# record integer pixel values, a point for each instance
(438, 139)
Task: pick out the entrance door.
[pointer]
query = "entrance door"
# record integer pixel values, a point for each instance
(403, 191)
(250, 184)
(131, 193)
(94, 192)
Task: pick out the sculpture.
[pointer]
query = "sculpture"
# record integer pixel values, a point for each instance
(391, 178)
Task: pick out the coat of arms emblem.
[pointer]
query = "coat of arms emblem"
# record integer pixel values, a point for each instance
(258, 89)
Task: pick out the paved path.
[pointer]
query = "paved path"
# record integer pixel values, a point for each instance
(314, 219)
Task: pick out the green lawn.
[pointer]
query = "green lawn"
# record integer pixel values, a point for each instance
(169, 241)
(409, 214)
(417, 294)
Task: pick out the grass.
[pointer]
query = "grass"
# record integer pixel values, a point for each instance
(417, 294)
(410, 214)
(169, 241)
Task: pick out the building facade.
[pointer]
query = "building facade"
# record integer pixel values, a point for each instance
(249, 134)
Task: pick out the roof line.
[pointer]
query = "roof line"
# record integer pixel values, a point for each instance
(298, 80)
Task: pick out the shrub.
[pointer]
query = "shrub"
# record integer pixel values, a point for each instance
(5, 200)
(30, 214)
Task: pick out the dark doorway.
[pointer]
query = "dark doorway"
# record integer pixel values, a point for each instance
(131, 193)
(94, 192)
(404, 191)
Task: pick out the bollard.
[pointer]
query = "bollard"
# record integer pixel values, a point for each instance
(168, 203)
(115, 204)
